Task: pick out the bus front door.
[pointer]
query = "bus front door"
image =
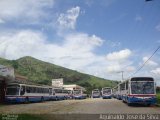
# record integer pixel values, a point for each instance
(2, 90)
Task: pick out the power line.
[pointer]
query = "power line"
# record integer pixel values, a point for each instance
(145, 61)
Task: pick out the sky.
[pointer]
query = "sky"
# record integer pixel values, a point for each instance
(97, 37)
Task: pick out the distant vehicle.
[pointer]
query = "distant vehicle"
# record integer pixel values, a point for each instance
(70, 94)
(23, 93)
(60, 94)
(114, 92)
(78, 94)
(140, 90)
(96, 93)
(106, 93)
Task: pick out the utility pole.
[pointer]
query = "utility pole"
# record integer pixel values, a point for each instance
(122, 74)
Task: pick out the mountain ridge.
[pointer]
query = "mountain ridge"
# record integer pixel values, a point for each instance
(41, 72)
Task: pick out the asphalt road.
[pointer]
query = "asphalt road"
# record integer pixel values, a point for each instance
(87, 106)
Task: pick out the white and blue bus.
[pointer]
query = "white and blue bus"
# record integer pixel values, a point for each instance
(106, 93)
(138, 90)
(114, 91)
(23, 93)
(96, 93)
(60, 94)
(79, 94)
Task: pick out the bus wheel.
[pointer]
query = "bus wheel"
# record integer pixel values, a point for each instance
(42, 99)
(148, 104)
(129, 104)
(56, 98)
(26, 100)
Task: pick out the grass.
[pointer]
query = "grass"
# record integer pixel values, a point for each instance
(158, 99)
(1, 105)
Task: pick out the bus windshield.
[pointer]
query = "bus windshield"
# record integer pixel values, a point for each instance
(12, 90)
(77, 92)
(96, 92)
(142, 87)
(107, 91)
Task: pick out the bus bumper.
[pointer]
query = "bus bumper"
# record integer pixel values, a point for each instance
(14, 100)
(79, 97)
(119, 97)
(150, 100)
(95, 96)
(107, 97)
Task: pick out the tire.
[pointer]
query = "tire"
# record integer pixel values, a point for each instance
(129, 104)
(42, 99)
(26, 100)
(148, 105)
(57, 98)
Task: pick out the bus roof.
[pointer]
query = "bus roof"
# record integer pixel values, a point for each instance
(142, 79)
(44, 86)
(106, 87)
(95, 90)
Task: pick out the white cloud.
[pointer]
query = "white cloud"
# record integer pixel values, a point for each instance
(130, 68)
(150, 62)
(120, 55)
(77, 48)
(114, 68)
(158, 27)
(2, 21)
(119, 61)
(68, 20)
(29, 10)
(82, 42)
(24, 43)
(156, 71)
(76, 52)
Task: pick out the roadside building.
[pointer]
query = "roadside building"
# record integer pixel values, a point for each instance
(6, 76)
(57, 83)
(73, 87)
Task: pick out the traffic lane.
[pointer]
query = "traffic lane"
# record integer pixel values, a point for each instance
(86, 106)
(47, 107)
(99, 105)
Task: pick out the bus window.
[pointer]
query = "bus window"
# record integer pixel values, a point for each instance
(22, 90)
(66, 91)
(127, 85)
(53, 92)
(142, 87)
(47, 90)
(58, 90)
(122, 86)
(28, 89)
(12, 90)
(50, 91)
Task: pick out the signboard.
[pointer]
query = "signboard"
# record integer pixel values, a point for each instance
(57, 82)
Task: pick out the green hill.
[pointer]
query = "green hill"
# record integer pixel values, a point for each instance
(42, 72)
